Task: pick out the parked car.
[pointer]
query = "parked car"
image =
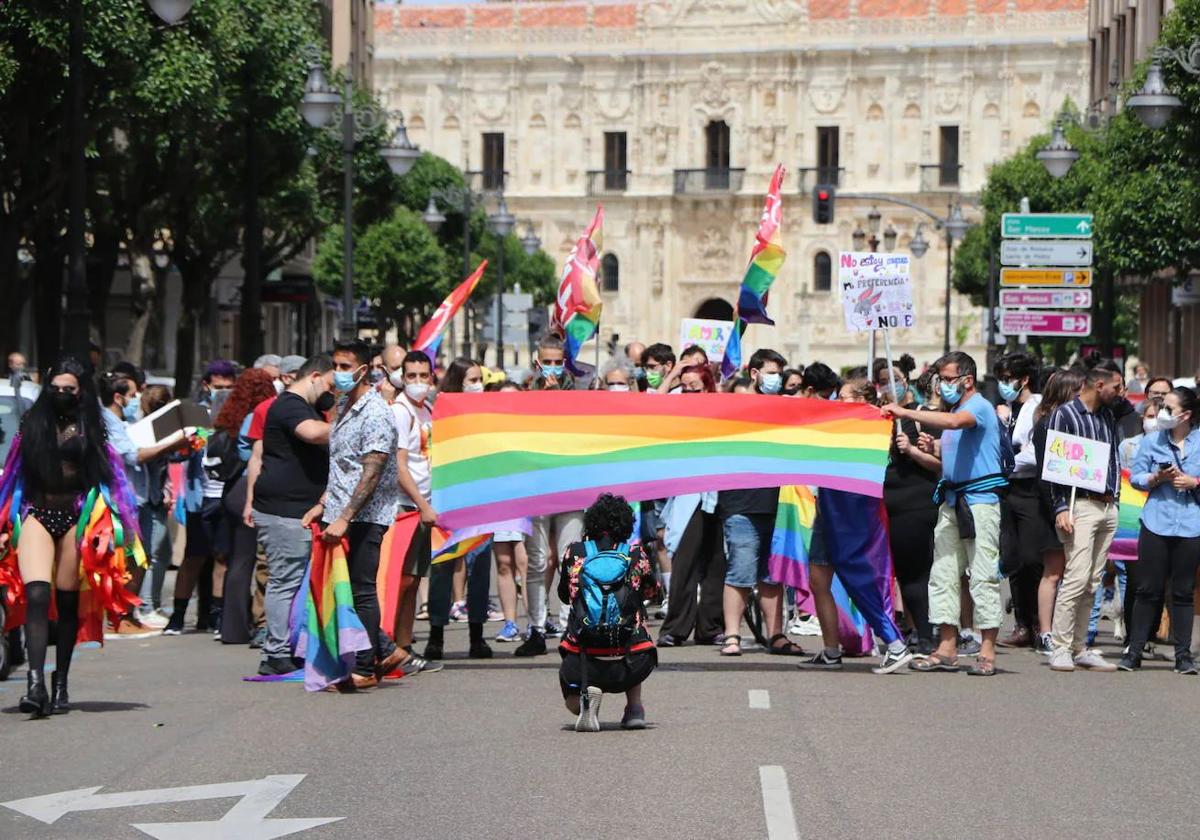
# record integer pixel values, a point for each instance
(11, 411)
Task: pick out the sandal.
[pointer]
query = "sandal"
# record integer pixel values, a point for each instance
(934, 662)
(733, 646)
(789, 649)
(983, 667)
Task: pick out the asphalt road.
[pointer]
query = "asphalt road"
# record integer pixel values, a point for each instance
(486, 750)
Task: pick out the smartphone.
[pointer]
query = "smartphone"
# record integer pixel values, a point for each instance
(1163, 466)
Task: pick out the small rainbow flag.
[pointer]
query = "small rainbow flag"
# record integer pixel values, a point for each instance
(447, 546)
(766, 259)
(429, 339)
(332, 634)
(505, 455)
(1129, 520)
(577, 306)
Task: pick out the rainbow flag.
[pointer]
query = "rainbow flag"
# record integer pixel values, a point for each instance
(504, 455)
(429, 339)
(1129, 520)
(332, 634)
(448, 547)
(577, 306)
(766, 258)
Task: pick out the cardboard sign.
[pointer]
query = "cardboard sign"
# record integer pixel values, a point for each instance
(172, 419)
(876, 291)
(711, 335)
(1076, 461)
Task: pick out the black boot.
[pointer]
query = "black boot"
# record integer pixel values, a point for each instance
(60, 701)
(36, 701)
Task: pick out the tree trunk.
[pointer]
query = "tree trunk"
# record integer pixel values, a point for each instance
(251, 329)
(101, 266)
(144, 290)
(197, 286)
(48, 275)
(14, 287)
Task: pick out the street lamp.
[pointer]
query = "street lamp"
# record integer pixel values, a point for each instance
(919, 244)
(433, 217)
(956, 225)
(530, 242)
(873, 219)
(319, 100)
(1058, 155)
(859, 238)
(401, 153)
(501, 223)
(171, 11)
(889, 238)
(1153, 104)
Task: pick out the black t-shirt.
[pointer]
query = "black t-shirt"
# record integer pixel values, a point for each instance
(763, 500)
(907, 485)
(294, 473)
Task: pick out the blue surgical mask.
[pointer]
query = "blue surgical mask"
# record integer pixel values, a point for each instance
(770, 383)
(950, 393)
(898, 392)
(639, 372)
(552, 370)
(133, 409)
(1008, 393)
(344, 380)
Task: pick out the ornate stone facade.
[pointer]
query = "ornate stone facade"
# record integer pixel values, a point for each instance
(893, 78)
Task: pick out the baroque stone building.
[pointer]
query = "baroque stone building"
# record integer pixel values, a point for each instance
(673, 113)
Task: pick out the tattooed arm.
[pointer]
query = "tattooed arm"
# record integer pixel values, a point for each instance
(372, 469)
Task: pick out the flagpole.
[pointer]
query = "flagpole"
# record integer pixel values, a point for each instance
(597, 372)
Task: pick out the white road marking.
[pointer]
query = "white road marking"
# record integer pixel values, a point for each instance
(760, 698)
(777, 804)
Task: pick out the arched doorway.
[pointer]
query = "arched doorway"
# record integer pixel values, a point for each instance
(715, 309)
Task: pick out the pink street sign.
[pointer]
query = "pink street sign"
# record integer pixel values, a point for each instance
(1046, 298)
(1077, 325)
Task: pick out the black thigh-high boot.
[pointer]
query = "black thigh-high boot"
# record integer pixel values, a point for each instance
(64, 647)
(37, 636)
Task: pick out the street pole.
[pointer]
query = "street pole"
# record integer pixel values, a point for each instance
(349, 314)
(500, 312)
(77, 340)
(949, 264)
(466, 208)
(991, 325)
(1110, 313)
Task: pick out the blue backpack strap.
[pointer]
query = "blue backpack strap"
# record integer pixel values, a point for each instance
(590, 550)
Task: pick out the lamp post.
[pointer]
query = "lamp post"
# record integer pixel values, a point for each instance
(1058, 155)
(501, 223)
(462, 199)
(530, 241)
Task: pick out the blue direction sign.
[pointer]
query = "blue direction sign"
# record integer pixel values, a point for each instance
(1047, 225)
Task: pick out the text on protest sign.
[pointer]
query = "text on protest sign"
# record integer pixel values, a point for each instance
(709, 334)
(876, 290)
(1076, 461)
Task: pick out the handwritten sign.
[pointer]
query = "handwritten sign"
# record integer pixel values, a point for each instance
(876, 291)
(711, 335)
(1076, 461)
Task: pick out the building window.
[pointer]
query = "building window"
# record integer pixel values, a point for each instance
(717, 155)
(615, 162)
(827, 155)
(493, 161)
(610, 273)
(822, 272)
(948, 155)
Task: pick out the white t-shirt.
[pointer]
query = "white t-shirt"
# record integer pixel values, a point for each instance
(413, 427)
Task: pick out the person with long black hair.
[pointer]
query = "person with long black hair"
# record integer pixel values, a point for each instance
(61, 473)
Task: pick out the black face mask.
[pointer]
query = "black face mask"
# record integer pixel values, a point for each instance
(65, 403)
(325, 402)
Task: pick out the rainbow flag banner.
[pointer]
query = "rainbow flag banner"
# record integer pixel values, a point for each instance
(1129, 520)
(503, 455)
(577, 306)
(766, 259)
(429, 339)
(332, 634)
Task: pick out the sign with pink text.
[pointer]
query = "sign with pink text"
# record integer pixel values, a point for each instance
(1076, 461)
(709, 334)
(876, 291)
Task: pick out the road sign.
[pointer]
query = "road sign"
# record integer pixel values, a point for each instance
(1046, 252)
(1047, 225)
(1186, 293)
(1075, 278)
(1046, 298)
(1073, 324)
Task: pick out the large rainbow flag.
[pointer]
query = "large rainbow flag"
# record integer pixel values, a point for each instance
(577, 306)
(429, 339)
(1129, 520)
(332, 634)
(766, 258)
(504, 455)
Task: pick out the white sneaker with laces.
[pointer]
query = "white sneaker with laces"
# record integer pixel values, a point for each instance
(152, 620)
(804, 627)
(1060, 660)
(589, 711)
(1093, 660)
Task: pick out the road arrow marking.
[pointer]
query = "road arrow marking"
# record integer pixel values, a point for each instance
(247, 820)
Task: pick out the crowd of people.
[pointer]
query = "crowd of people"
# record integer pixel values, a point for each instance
(336, 446)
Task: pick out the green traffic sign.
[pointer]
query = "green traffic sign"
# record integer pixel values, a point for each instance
(1047, 225)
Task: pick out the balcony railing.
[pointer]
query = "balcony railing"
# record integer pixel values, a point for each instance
(940, 177)
(694, 181)
(810, 176)
(607, 181)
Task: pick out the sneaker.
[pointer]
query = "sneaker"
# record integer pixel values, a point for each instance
(535, 645)
(1060, 660)
(479, 650)
(1043, 645)
(551, 630)
(278, 665)
(510, 632)
(634, 718)
(458, 612)
(494, 614)
(892, 662)
(968, 645)
(152, 619)
(806, 626)
(666, 640)
(661, 610)
(1186, 665)
(419, 665)
(1093, 660)
(259, 639)
(1129, 663)
(589, 711)
(216, 634)
(130, 628)
(821, 662)
(173, 627)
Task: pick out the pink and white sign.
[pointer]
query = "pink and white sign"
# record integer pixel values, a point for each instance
(1046, 298)
(1071, 324)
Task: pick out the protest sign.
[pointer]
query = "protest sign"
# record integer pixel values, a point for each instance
(1075, 461)
(876, 290)
(711, 335)
(174, 418)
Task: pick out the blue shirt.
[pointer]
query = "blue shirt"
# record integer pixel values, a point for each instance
(969, 454)
(118, 439)
(1168, 512)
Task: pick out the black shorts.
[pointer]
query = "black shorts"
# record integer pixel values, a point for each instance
(612, 676)
(208, 532)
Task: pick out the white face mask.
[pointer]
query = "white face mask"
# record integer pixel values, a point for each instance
(278, 385)
(396, 377)
(617, 386)
(473, 388)
(1166, 420)
(416, 391)
(1150, 424)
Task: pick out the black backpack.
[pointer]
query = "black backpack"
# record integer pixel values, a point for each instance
(222, 461)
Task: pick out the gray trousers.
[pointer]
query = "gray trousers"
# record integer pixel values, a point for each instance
(288, 546)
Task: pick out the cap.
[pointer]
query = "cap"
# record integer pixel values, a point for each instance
(267, 360)
(291, 364)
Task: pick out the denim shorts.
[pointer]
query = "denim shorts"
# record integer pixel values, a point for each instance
(747, 547)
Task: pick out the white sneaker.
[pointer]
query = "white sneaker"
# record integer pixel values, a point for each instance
(1093, 660)
(804, 627)
(661, 612)
(1060, 660)
(589, 711)
(153, 620)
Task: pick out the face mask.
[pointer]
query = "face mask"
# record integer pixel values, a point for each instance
(791, 392)
(344, 380)
(416, 391)
(66, 404)
(1008, 393)
(377, 376)
(552, 370)
(639, 372)
(618, 386)
(218, 393)
(133, 409)
(1166, 420)
(1150, 424)
(770, 383)
(396, 377)
(473, 388)
(325, 401)
(278, 385)
(950, 393)
(654, 378)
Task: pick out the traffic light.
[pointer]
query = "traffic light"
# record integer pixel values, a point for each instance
(823, 196)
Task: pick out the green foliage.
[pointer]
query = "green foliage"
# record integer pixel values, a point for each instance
(536, 274)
